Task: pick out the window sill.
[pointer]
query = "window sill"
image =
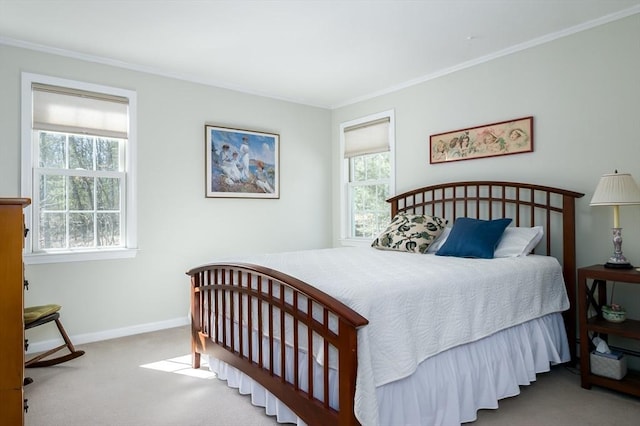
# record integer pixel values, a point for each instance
(80, 256)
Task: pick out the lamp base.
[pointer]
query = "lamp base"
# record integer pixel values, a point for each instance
(617, 261)
(618, 265)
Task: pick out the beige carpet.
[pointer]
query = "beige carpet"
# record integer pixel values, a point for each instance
(145, 380)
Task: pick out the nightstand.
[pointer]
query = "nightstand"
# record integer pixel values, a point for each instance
(595, 296)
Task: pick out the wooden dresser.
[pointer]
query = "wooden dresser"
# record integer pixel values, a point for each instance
(12, 234)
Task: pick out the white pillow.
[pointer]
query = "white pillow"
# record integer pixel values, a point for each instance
(438, 242)
(517, 241)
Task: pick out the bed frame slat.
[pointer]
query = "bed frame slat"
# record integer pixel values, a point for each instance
(310, 351)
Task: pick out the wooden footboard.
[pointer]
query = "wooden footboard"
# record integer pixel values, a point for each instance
(263, 322)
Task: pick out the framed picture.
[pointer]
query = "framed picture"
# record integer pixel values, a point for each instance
(489, 140)
(241, 163)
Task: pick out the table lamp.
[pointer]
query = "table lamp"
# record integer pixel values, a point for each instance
(616, 189)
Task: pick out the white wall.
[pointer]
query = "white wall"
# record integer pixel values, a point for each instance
(178, 227)
(583, 91)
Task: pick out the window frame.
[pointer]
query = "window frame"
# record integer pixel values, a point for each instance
(130, 247)
(346, 211)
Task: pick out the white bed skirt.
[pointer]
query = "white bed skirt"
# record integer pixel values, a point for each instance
(448, 388)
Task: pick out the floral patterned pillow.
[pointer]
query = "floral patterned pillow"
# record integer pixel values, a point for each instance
(410, 232)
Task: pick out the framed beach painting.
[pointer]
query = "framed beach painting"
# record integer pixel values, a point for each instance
(241, 163)
(488, 140)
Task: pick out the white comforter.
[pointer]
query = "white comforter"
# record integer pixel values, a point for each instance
(420, 305)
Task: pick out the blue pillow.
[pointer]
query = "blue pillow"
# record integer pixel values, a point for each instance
(473, 238)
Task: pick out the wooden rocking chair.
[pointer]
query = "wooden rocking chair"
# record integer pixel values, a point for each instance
(35, 316)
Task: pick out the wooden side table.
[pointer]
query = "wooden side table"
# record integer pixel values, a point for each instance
(595, 296)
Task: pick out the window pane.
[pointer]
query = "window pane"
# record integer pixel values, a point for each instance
(359, 170)
(373, 167)
(358, 196)
(108, 154)
(52, 152)
(108, 229)
(80, 152)
(369, 194)
(52, 193)
(362, 225)
(108, 194)
(81, 230)
(370, 209)
(382, 200)
(53, 230)
(81, 193)
(384, 163)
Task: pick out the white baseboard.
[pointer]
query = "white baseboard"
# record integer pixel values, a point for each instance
(78, 339)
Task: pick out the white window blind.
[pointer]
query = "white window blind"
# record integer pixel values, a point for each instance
(367, 138)
(68, 110)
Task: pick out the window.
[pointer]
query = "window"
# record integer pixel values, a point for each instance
(78, 159)
(367, 176)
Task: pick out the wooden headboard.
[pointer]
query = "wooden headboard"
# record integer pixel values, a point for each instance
(527, 204)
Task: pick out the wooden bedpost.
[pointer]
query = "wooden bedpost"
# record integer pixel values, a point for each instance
(347, 385)
(196, 326)
(569, 268)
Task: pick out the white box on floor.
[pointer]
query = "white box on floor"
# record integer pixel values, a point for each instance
(608, 367)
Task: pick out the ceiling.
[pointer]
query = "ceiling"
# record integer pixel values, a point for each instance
(322, 53)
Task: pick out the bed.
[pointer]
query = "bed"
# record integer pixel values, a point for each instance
(343, 336)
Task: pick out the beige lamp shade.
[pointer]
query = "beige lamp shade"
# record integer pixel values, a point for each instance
(616, 189)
